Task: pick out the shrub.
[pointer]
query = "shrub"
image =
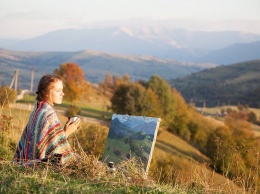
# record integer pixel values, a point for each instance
(7, 95)
(91, 138)
(7, 145)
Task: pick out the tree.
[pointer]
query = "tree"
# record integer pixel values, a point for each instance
(179, 117)
(166, 101)
(163, 90)
(134, 99)
(218, 147)
(107, 84)
(75, 84)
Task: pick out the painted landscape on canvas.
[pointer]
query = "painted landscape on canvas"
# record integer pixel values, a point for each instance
(131, 136)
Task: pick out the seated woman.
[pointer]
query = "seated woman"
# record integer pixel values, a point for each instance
(44, 138)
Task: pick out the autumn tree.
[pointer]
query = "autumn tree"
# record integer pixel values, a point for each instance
(125, 79)
(111, 83)
(75, 84)
(218, 148)
(107, 84)
(178, 118)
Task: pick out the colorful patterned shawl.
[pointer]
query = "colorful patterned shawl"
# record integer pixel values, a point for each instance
(43, 137)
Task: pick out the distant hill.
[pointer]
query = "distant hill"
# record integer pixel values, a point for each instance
(223, 85)
(94, 64)
(162, 42)
(234, 54)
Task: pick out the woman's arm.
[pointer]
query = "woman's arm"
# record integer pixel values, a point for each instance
(70, 127)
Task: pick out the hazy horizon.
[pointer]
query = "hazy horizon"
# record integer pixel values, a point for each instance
(28, 18)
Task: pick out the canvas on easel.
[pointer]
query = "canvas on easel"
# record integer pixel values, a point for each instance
(131, 136)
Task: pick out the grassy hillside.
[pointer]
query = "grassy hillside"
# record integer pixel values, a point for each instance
(167, 146)
(187, 169)
(94, 64)
(215, 110)
(223, 85)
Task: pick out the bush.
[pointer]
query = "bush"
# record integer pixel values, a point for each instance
(7, 145)
(7, 95)
(91, 138)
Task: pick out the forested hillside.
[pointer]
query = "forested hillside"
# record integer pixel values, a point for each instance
(223, 85)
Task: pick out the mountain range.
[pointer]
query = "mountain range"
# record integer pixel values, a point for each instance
(94, 64)
(181, 56)
(219, 47)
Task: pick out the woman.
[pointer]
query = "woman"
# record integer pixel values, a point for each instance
(44, 138)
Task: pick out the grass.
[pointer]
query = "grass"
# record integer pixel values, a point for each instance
(47, 178)
(87, 175)
(195, 168)
(90, 175)
(171, 144)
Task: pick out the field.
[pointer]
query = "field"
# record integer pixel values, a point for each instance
(214, 111)
(192, 165)
(166, 144)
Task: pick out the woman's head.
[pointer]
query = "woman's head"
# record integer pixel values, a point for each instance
(50, 89)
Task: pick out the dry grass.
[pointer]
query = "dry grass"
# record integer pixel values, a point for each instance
(89, 175)
(168, 143)
(187, 166)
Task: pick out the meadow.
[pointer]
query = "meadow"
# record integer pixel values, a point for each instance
(176, 166)
(90, 175)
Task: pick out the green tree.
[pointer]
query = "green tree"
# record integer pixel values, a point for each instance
(75, 84)
(134, 99)
(179, 117)
(163, 90)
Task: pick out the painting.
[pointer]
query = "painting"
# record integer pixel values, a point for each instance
(131, 136)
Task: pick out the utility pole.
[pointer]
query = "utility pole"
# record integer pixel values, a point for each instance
(204, 106)
(14, 80)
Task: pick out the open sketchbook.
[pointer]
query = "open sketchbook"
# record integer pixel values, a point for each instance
(131, 136)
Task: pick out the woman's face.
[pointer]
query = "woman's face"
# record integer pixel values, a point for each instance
(56, 93)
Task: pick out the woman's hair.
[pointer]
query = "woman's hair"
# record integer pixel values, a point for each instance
(45, 85)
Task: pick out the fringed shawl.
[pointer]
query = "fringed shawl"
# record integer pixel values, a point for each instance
(43, 137)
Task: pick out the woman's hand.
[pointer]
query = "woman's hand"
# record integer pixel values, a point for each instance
(71, 127)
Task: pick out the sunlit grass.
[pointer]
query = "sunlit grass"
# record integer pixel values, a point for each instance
(90, 174)
(171, 144)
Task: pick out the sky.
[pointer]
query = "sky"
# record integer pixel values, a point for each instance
(21, 19)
